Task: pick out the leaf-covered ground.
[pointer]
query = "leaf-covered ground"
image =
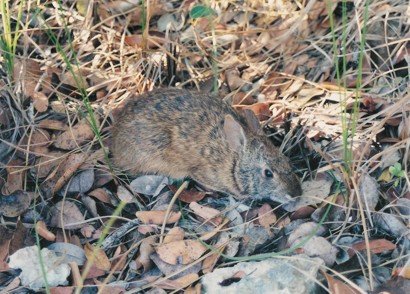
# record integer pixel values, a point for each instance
(329, 84)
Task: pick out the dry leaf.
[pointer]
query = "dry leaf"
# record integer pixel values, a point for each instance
(179, 283)
(242, 98)
(35, 141)
(26, 72)
(261, 110)
(157, 216)
(369, 193)
(137, 39)
(40, 101)
(45, 164)
(15, 204)
(147, 229)
(101, 194)
(209, 214)
(266, 216)
(15, 283)
(119, 260)
(181, 252)
(320, 247)
(143, 259)
(87, 231)
(209, 263)
(385, 176)
(233, 79)
(70, 252)
(149, 184)
(175, 234)
(102, 177)
(97, 257)
(338, 287)
(176, 271)
(44, 232)
(64, 172)
(81, 182)
(303, 212)
(193, 290)
(188, 196)
(313, 192)
(208, 235)
(6, 236)
(65, 214)
(15, 177)
(375, 246)
(402, 272)
(124, 195)
(77, 135)
(52, 124)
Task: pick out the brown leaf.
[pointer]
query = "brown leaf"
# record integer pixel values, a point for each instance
(143, 259)
(87, 231)
(5, 240)
(209, 262)
(338, 287)
(40, 101)
(97, 257)
(34, 141)
(82, 181)
(266, 216)
(77, 135)
(45, 164)
(44, 232)
(188, 196)
(95, 272)
(402, 272)
(157, 216)
(124, 195)
(26, 72)
(15, 177)
(181, 252)
(193, 290)
(22, 237)
(15, 283)
(179, 283)
(100, 194)
(147, 229)
(62, 290)
(242, 98)
(210, 234)
(64, 172)
(375, 246)
(303, 212)
(233, 79)
(102, 177)
(15, 204)
(152, 41)
(261, 110)
(52, 124)
(209, 214)
(119, 260)
(64, 214)
(175, 234)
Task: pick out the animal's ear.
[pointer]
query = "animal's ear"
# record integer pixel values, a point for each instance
(252, 121)
(234, 133)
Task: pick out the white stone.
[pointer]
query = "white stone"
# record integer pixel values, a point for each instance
(27, 259)
(290, 274)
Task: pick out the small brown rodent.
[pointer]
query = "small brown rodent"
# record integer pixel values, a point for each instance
(178, 133)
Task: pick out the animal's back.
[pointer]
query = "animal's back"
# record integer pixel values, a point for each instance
(171, 132)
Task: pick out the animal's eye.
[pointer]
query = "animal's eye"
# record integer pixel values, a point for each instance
(268, 173)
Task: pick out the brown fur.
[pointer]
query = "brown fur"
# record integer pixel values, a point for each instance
(180, 134)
